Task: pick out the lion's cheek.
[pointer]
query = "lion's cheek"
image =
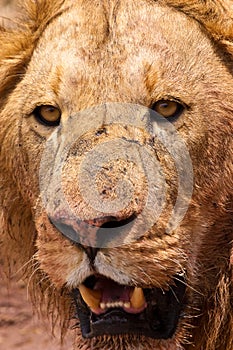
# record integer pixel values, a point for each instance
(56, 262)
(57, 257)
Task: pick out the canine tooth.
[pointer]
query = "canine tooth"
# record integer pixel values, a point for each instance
(91, 297)
(127, 305)
(137, 299)
(120, 304)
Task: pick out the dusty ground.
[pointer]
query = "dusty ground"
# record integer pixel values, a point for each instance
(19, 330)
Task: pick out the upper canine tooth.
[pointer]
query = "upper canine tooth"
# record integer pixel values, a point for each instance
(91, 297)
(137, 299)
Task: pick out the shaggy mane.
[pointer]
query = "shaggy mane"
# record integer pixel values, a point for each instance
(18, 41)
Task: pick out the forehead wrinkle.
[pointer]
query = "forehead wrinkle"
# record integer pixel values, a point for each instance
(55, 79)
(109, 64)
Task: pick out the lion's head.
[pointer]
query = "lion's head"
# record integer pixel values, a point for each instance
(116, 157)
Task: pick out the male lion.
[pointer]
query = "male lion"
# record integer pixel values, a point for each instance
(116, 158)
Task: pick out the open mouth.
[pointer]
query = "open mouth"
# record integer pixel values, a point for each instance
(105, 307)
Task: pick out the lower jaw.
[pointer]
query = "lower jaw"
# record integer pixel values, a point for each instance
(158, 321)
(127, 342)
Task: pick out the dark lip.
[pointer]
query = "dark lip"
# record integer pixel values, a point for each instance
(158, 321)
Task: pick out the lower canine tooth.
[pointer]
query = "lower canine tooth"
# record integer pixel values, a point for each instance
(91, 297)
(137, 299)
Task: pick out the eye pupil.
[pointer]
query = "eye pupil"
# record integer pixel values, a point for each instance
(48, 115)
(168, 108)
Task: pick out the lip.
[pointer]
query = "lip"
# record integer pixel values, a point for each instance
(157, 319)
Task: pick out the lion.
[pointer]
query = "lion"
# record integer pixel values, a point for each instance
(116, 124)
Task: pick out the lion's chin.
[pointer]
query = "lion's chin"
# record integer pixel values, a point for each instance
(105, 307)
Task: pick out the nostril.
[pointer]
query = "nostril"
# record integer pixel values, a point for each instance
(114, 223)
(114, 230)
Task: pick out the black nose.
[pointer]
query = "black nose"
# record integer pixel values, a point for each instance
(110, 234)
(106, 235)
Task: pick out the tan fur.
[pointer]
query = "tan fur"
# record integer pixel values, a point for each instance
(181, 48)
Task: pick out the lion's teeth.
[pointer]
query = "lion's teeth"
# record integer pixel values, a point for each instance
(137, 299)
(127, 305)
(91, 297)
(103, 306)
(109, 304)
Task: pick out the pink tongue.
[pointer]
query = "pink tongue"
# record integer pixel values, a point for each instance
(112, 291)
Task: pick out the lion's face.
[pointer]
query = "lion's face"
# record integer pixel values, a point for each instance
(84, 126)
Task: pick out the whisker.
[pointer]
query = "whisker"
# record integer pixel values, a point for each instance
(30, 261)
(188, 285)
(173, 292)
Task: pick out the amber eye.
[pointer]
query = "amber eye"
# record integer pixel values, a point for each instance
(48, 115)
(168, 108)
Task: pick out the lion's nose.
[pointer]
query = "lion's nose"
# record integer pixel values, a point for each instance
(103, 195)
(107, 188)
(109, 230)
(95, 234)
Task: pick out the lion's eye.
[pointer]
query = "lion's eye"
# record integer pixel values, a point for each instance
(48, 115)
(168, 108)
